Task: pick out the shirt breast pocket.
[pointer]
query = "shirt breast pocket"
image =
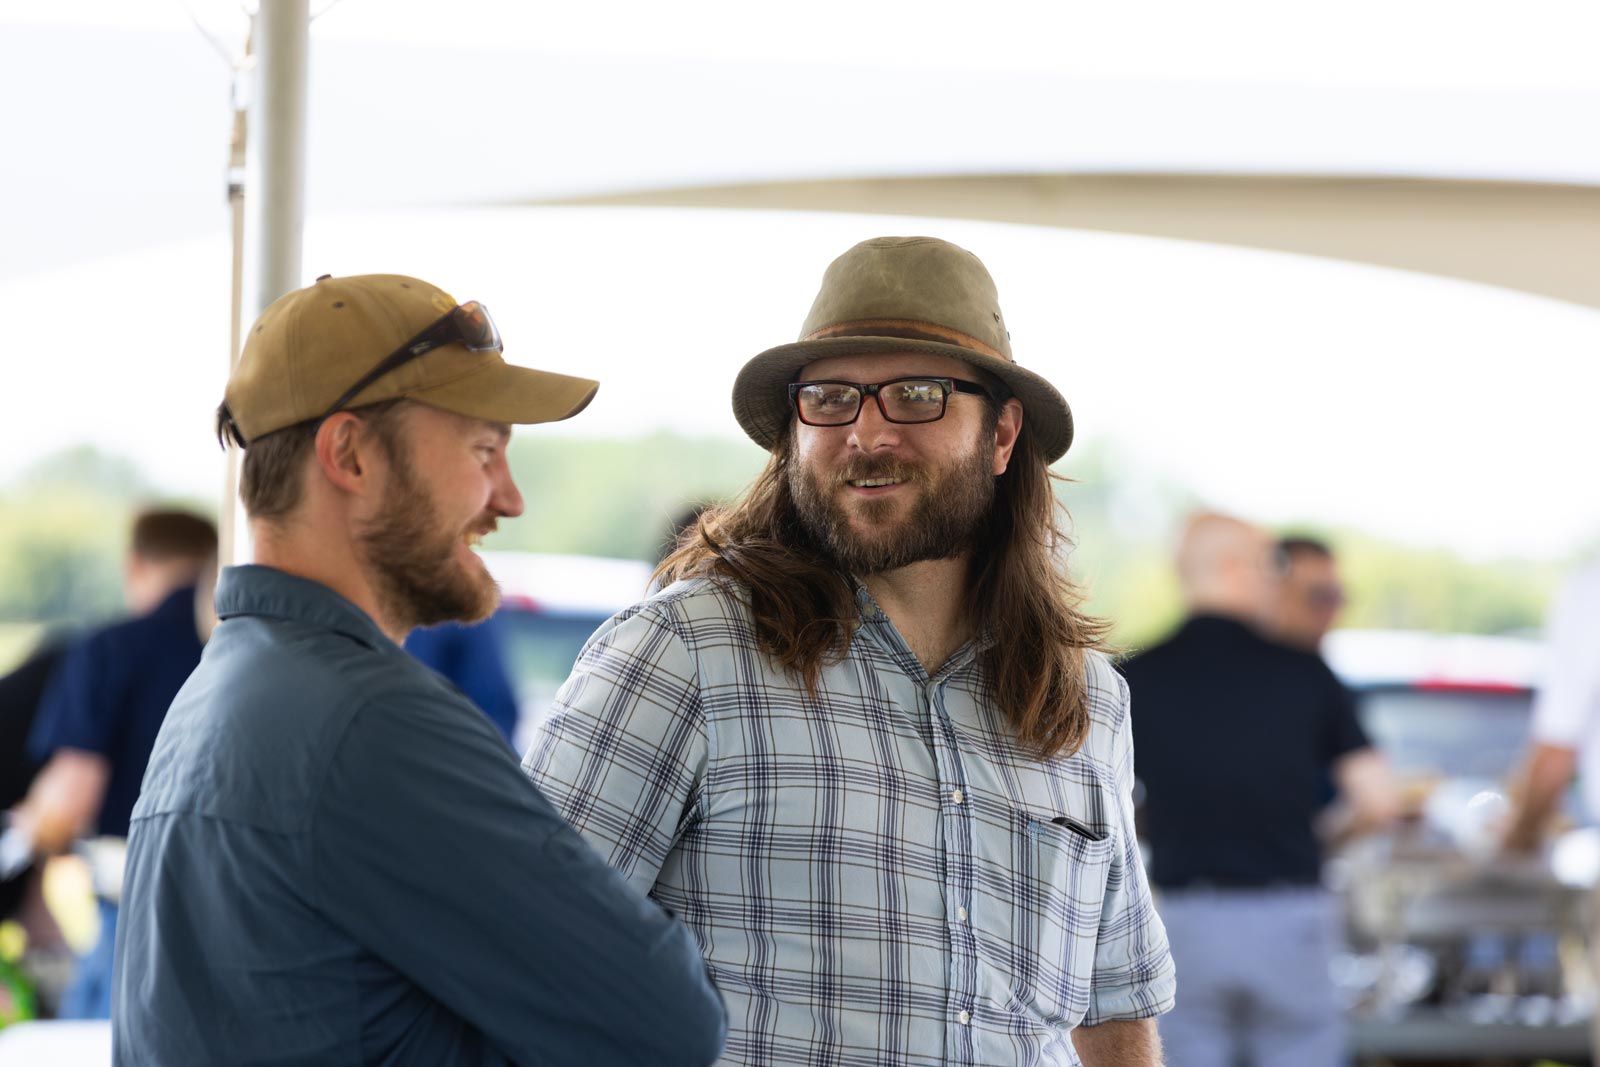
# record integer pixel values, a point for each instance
(1063, 862)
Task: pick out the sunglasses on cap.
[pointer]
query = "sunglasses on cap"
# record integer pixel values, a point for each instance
(467, 325)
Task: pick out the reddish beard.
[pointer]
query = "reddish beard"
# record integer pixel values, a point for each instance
(951, 509)
(410, 553)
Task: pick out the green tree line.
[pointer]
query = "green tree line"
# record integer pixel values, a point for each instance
(63, 525)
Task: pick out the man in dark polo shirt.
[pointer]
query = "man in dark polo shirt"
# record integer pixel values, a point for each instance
(336, 858)
(98, 718)
(1236, 737)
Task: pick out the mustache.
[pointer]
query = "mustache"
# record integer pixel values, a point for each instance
(882, 467)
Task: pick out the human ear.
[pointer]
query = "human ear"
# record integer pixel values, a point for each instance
(344, 452)
(1006, 429)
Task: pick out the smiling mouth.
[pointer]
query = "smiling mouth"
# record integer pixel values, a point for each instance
(873, 483)
(472, 540)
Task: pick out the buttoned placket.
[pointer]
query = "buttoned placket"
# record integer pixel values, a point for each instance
(956, 819)
(956, 829)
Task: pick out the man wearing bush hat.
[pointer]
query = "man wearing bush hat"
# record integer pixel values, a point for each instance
(334, 858)
(865, 742)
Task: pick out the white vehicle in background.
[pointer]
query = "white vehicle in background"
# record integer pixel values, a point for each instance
(550, 605)
(1454, 954)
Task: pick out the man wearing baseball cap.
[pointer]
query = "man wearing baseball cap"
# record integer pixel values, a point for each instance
(334, 858)
(865, 743)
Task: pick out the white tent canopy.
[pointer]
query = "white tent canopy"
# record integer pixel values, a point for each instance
(1451, 140)
(1537, 238)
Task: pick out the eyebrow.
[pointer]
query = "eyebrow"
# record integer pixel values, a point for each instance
(501, 430)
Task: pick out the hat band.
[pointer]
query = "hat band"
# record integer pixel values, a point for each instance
(910, 329)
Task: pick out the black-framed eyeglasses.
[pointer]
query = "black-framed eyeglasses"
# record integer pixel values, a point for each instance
(467, 325)
(902, 400)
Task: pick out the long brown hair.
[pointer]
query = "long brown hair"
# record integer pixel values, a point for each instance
(804, 608)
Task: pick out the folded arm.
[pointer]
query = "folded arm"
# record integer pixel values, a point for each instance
(435, 852)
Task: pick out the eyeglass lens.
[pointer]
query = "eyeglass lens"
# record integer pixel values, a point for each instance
(838, 403)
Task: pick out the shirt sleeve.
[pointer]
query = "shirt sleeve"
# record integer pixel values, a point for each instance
(1566, 704)
(78, 708)
(622, 753)
(1344, 733)
(433, 850)
(1133, 972)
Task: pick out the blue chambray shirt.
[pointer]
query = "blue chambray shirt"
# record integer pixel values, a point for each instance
(876, 874)
(336, 860)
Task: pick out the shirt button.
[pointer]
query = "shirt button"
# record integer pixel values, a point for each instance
(964, 1018)
(961, 913)
(957, 797)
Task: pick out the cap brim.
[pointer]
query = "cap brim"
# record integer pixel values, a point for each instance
(761, 394)
(501, 392)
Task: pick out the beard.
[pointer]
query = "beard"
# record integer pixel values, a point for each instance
(951, 510)
(410, 554)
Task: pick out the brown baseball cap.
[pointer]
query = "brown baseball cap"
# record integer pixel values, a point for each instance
(915, 295)
(310, 346)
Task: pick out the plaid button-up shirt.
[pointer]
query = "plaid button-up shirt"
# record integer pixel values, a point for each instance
(876, 874)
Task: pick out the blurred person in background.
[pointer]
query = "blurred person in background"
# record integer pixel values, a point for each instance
(865, 742)
(21, 878)
(336, 858)
(472, 659)
(1306, 598)
(1308, 594)
(1236, 736)
(1565, 741)
(98, 719)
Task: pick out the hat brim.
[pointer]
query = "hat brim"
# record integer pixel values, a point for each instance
(501, 392)
(761, 393)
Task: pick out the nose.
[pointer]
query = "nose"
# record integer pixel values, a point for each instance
(504, 497)
(872, 432)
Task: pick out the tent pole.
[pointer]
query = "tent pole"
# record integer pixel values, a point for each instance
(275, 189)
(276, 204)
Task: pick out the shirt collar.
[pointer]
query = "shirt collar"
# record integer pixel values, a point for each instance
(1208, 626)
(874, 617)
(256, 590)
(867, 604)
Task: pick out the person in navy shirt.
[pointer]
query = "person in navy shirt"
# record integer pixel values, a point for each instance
(472, 659)
(101, 710)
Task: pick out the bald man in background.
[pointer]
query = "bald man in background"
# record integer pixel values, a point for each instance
(1236, 737)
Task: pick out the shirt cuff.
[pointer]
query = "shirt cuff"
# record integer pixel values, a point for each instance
(1152, 994)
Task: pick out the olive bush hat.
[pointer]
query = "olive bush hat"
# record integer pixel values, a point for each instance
(309, 347)
(914, 295)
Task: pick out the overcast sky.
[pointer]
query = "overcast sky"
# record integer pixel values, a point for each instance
(1283, 387)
